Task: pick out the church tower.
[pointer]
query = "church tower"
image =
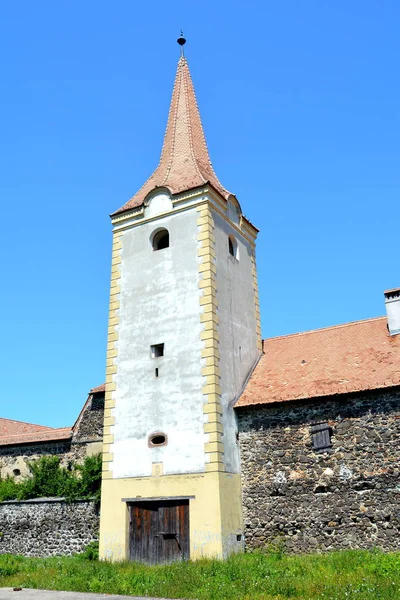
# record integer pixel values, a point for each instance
(183, 337)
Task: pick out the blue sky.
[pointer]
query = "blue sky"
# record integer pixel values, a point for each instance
(300, 105)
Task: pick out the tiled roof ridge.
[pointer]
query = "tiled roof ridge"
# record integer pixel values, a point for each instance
(37, 433)
(321, 329)
(27, 423)
(190, 129)
(98, 388)
(341, 359)
(184, 161)
(173, 110)
(51, 435)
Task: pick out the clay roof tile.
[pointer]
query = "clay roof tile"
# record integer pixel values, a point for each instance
(18, 432)
(345, 358)
(185, 162)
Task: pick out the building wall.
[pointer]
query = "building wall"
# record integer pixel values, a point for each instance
(49, 527)
(346, 497)
(212, 534)
(159, 303)
(237, 327)
(17, 456)
(87, 440)
(172, 296)
(89, 426)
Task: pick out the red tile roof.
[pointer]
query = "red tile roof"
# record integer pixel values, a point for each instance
(98, 389)
(18, 432)
(185, 162)
(345, 358)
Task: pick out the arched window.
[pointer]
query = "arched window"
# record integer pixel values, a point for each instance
(233, 247)
(161, 239)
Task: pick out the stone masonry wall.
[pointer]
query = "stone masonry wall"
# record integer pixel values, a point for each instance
(17, 456)
(47, 527)
(345, 497)
(89, 426)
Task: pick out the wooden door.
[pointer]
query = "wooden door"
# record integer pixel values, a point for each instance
(159, 531)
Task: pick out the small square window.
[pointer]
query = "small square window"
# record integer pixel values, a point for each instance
(321, 436)
(157, 350)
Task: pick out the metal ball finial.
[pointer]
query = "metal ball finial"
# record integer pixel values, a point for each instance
(181, 40)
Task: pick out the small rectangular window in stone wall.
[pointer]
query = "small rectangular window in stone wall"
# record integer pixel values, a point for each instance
(321, 436)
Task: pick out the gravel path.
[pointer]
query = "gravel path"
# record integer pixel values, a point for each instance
(9, 594)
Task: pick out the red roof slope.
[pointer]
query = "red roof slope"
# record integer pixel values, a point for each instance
(341, 359)
(18, 432)
(98, 389)
(185, 162)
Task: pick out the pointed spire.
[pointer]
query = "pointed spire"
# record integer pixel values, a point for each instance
(185, 162)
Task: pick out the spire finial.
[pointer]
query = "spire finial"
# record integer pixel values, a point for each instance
(181, 41)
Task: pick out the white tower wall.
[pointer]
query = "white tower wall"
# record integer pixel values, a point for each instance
(159, 303)
(237, 327)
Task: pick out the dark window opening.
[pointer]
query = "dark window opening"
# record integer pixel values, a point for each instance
(157, 350)
(239, 537)
(157, 439)
(321, 436)
(156, 372)
(233, 247)
(16, 472)
(161, 240)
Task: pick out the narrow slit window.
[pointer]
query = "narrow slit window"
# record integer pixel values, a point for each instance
(157, 350)
(161, 239)
(233, 247)
(156, 372)
(321, 436)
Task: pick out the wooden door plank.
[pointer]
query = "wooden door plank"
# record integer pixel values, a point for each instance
(159, 531)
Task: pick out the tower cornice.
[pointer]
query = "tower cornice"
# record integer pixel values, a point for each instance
(185, 201)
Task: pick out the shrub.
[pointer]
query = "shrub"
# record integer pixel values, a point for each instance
(8, 489)
(91, 552)
(50, 479)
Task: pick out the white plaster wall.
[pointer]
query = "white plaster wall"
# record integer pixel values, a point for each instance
(237, 328)
(393, 315)
(160, 203)
(159, 303)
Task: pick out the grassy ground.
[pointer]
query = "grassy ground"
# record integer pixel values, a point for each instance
(270, 576)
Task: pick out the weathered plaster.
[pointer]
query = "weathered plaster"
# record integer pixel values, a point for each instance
(159, 303)
(237, 328)
(214, 525)
(158, 204)
(170, 296)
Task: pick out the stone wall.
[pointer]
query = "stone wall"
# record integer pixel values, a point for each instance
(347, 496)
(89, 425)
(47, 527)
(16, 456)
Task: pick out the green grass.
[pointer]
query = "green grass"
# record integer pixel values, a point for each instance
(267, 576)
